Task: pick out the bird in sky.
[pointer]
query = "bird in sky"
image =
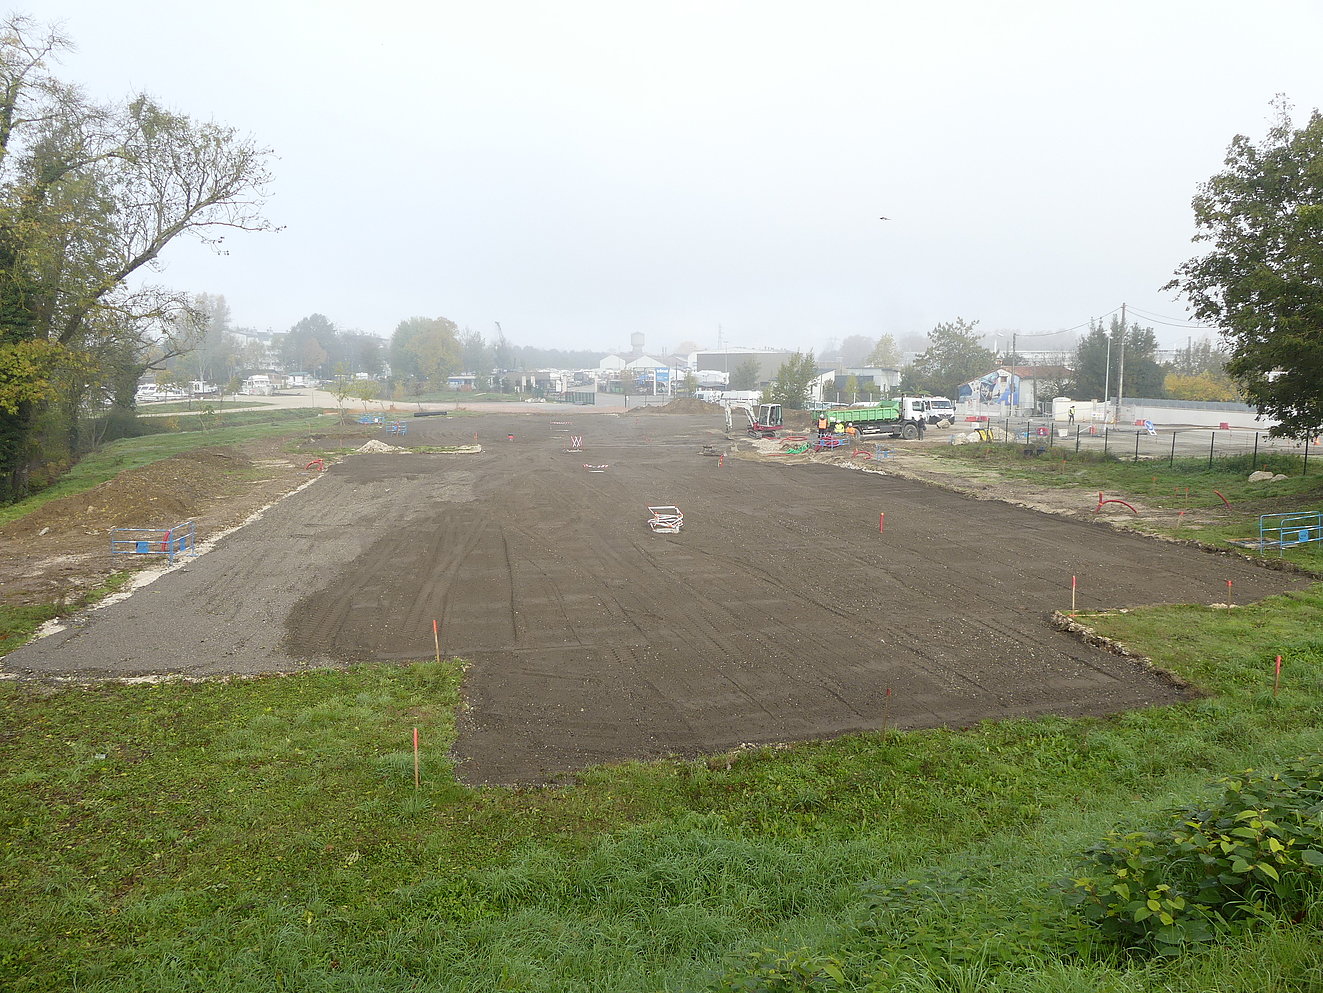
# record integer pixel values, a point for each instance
(884, 218)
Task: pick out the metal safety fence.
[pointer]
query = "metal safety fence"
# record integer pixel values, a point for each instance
(1147, 441)
(169, 541)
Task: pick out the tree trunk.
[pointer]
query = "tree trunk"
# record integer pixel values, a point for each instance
(15, 442)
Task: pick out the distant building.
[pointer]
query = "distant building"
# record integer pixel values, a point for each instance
(727, 361)
(882, 379)
(1015, 386)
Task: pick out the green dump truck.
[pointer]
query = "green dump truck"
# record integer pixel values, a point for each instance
(900, 418)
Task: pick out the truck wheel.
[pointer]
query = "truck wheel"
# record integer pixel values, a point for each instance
(909, 432)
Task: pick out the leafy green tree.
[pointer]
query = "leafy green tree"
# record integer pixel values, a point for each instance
(1261, 280)
(476, 358)
(90, 197)
(309, 344)
(362, 351)
(885, 354)
(1198, 357)
(1144, 376)
(1094, 377)
(425, 351)
(212, 356)
(745, 375)
(365, 390)
(794, 380)
(342, 388)
(1199, 386)
(955, 355)
(1199, 372)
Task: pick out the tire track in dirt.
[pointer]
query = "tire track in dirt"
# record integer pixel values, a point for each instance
(779, 613)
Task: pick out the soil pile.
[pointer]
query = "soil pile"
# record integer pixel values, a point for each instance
(680, 405)
(162, 494)
(63, 546)
(379, 446)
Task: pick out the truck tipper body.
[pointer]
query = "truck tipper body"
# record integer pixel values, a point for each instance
(901, 418)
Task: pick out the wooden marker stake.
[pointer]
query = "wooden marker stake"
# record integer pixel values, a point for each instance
(436, 638)
(1277, 677)
(416, 778)
(1072, 596)
(1228, 593)
(882, 526)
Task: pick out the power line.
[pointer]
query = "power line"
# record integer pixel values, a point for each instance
(1085, 324)
(1171, 322)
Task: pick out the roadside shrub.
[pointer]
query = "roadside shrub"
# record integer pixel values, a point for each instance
(1255, 852)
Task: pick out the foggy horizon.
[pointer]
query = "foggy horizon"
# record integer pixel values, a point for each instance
(584, 172)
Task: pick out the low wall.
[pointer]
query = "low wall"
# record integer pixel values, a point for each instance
(1160, 412)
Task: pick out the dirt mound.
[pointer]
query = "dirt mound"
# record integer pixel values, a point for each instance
(680, 405)
(379, 446)
(162, 494)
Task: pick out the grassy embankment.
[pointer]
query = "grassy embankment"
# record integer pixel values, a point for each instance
(131, 453)
(195, 406)
(267, 834)
(1189, 484)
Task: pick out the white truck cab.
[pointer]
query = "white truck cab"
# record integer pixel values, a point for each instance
(935, 409)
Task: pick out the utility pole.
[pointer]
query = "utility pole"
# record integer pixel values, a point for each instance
(1120, 372)
(1015, 389)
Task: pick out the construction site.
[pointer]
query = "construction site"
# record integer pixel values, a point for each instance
(635, 586)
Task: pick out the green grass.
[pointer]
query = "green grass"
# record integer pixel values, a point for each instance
(132, 453)
(1157, 483)
(1188, 484)
(18, 622)
(193, 406)
(266, 834)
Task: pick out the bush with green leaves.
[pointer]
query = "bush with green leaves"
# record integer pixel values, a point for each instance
(773, 971)
(1255, 852)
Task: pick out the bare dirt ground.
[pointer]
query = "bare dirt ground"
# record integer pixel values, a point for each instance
(778, 613)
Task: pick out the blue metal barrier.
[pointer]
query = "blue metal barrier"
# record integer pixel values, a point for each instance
(1282, 531)
(155, 541)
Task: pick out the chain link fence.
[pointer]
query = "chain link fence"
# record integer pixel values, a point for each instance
(1146, 442)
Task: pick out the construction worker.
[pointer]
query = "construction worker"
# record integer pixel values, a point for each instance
(840, 428)
(823, 424)
(1071, 418)
(852, 432)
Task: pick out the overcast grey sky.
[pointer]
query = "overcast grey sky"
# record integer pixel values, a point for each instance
(579, 171)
